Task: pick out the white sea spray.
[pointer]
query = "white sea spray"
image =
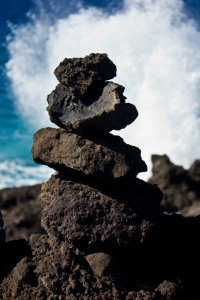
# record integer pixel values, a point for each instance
(157, 53)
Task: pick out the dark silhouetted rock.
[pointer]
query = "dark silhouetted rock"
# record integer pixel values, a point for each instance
(21, 211)
(180, 187)
(102, 108)
(2, 231)
(55, 273)
(96, 219)
(104, 157)
(142, 295)
(192, 210)
(10, 254)
(194, 170)
(77, 74)
(170, 290)
(103, 265)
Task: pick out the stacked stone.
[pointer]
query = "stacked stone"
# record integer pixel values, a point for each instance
(87, 108)
(106, 232)
(94, 204)
(96, 170)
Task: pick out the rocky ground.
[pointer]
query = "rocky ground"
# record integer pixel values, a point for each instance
(106, 234)
(181, 188)
(21, 211)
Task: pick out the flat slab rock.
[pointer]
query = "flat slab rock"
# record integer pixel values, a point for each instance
(77, 73)
(96, 220)
(101, 108)
(105, 157)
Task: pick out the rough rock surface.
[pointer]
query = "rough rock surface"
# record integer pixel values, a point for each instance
(170, 290)
(96, 220)
(102, 108)
(10, 254)
(77, 74)
(21, 211)
(84, 102)
(105, 266)
(102, 242)
(180, 187)
(104, 157)
(55, 270)
(56, 274)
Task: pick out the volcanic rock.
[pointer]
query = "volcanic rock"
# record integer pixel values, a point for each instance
(180, 187)
(170, 290)
(142, 295)
(77, 74)
(10, 254)
(104, 265)
(56, 273)
(94, 219)
(21, 211)
(102, 108)
(107, 235)
(104, 157)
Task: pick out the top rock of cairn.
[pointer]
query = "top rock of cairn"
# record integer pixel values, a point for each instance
(84, 102)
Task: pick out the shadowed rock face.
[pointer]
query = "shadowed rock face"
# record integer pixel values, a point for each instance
(181, 187)
(56, 273)
(105, 156)
(96, 219)
(2, 231)
(21, 211)
(102, 108)
(194, 170)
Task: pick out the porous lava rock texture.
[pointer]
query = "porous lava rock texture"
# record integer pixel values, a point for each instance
(102, 156)
(107, 236)
(77, 74)
(97, 219)
(181, 188)
(84, 101)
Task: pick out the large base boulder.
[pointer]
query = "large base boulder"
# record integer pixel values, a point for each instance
(100, 219)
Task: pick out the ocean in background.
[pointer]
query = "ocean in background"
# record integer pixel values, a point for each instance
(155, 45)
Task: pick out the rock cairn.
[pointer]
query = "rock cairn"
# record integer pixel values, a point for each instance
(107, 237)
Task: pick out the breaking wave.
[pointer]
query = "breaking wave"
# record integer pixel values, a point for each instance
(157, 53)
